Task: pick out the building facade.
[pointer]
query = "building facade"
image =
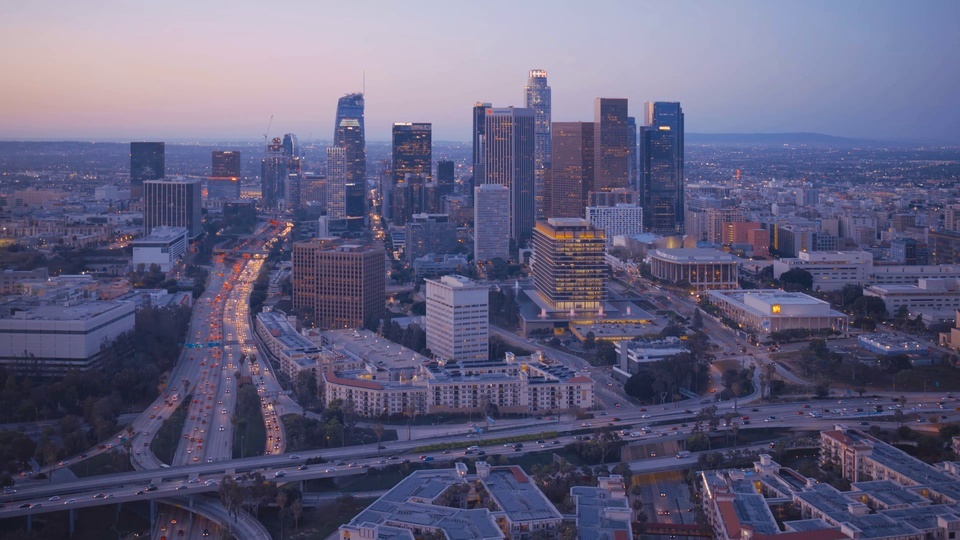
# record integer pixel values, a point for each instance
(224, 179)
(508, 160)
(703, 269)
(173, 203)
(457, 319)
(661, 158)
(773, 310)
(618, 220)
(537, 98)
(491, 221)
(147, 162)
(611, 141)
(571, 176)
(164, 246)
(569, 268)
(336, 183)
(342, 285)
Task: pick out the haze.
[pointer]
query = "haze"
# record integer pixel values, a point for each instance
(218, 70)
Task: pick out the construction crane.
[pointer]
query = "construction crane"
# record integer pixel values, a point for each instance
(267, 134)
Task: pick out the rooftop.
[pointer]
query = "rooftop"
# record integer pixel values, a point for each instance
(693, 255)
(374, 349)
(519, 498)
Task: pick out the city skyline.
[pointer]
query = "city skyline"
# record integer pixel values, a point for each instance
(742, 67)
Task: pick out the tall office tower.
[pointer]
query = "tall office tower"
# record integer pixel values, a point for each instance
(491, 224)
(224, 180)
(661, 157)
(571, 174)
(569, 269)
(336, 183)
(632, 160)
(314, 189)
(291, 147)
(273, 174)
(508, 161)
(412, 154)
(611, 141)
(458, 314)
(479, 123)
(341, 285)
(292, 186)
(349, 134)
(537, 97)
(146, 163)
(446, 178)
(172, 203)
(622, 219)
(409, 198)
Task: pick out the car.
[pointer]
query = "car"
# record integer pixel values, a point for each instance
(140, 492)
(279, 474)
(481, 453)
(394, 458)
(193, 481)
(467, 452)
(54, 498)
(445, 452)
(181, 488)
(70, 501)
(210, 483)
(180, 532)
(206, 532)
(24, 505)
(151, 487)
(294, 456)
(302, 468)
(662, 494)
(9, 491)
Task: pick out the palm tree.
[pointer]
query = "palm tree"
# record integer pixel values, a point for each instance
(297, 509)
(378, 430)
(282, 504)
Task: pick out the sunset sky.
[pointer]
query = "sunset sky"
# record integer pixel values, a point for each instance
(180, 70)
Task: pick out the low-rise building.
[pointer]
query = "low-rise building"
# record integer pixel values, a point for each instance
(164, 246)
(890, 344)
(603, 512)
(703, 269)
(433, 265)
(522, 509)
(52, 339)
(767, 311)
(929, 295)
(632, 354)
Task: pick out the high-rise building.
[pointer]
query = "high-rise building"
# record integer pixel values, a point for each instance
(569, 269)
(632, 162)
(273, 173)
(412, 154)
(479, 124)
(571, 175)
(623, 219)
(611, 144)
(537, 97)
(336, 183)
(224, 180)
(146, 163)
(349, 134)
(446, 177)
(291, 147)
(491, 224)
(661, 156)
(508, 161)
(292, 186)
(340, 285)
(172, 203)
(457, 319)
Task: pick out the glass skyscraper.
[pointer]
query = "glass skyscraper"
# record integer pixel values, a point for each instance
(537, 97)
(508, 161)
(479, 121)
(349, 134)
(611, 144)
(146, 163)
(661, 156)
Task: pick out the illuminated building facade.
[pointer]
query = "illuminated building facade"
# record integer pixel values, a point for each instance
(569, 270)
(224, 180)
(349, 134)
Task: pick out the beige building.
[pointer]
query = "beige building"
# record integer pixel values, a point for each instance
(704, 269)
(342, 285)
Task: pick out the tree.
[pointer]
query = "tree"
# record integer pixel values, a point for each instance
(796, 279)
(849, 294)
(378, 430)
(589, 341)
(297, 510)
(697, 323)
(282, 504)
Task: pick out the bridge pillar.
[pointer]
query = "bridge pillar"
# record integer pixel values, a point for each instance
(191, 501)
(71, 522)
(153, 514)
(29, 523)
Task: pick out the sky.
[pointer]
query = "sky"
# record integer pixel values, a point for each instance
(217, 70)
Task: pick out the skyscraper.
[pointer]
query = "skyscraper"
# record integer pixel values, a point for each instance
(273, 173)
(569, 269)
(291, 147)
(224, 180)
(412, 154)
(172, 203)
(336, 183)
(537, 97)
(342, 286)
(458, 319)
(491, 224)
(146, 163)
(632, 162)
(508, 161)
(661, 156)
(571, 175)
(446, 177)
(349, 134)
(611, 144)
(479, 122)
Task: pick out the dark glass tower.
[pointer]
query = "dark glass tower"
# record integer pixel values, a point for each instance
(661, 156)
(412, 150)
(537, 94)
(479, 112)
(146, 163)
(349, 134)
(612, 144)
(224, 180)
(446, 177)
(273, 174)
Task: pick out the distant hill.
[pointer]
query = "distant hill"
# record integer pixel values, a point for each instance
(777, 139)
